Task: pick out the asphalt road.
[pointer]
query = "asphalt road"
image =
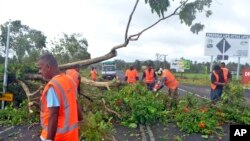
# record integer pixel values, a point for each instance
(200, 91)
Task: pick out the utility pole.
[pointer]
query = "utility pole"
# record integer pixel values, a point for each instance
(5, 78)
(160, 56)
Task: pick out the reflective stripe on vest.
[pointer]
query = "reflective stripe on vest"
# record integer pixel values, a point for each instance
(213, 86)
(66, 126)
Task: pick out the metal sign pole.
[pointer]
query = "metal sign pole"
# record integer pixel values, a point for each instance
(211, 64)
(238, 68)
(211, 67)
(223, 52)
(6, 63)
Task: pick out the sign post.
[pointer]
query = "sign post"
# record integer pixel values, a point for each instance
(238, 69)
(225, 45)
(6, 63)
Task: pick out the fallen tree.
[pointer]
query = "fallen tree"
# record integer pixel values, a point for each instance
(186, 11)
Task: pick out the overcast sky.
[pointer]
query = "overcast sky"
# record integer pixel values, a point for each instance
(103, 23)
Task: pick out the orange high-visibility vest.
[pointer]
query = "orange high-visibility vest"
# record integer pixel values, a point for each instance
(67, 127)
(131, 74)
(93, 74)
(225, 73)
(213, 86)
(149, 76)
(74, 75)
(170, 82)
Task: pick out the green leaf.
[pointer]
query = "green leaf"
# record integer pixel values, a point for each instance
(204, 136)
(132, 125)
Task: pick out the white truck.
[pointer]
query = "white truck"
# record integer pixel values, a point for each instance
(108, 70)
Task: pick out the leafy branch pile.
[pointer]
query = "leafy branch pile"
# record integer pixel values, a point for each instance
(96, 127)
(11, 115)
(233, 103)
(136, 105)
(194, 115)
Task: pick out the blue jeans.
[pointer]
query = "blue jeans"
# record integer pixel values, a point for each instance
(215, 94)
(150, 86)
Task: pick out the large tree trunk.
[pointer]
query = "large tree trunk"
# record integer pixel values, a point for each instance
(86, 62)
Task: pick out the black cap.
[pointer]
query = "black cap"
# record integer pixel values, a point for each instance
(217, 67)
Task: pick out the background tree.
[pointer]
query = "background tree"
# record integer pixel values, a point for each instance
(137, 65)
(120, 64)
(185, 10)
(23, 39)
(70, 48)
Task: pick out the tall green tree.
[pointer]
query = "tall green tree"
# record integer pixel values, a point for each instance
(70, 48)
(120, 64)
(23, 39)
(187, 11)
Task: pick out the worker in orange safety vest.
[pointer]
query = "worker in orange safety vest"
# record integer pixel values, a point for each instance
(168, 79)
(227, 74)
(93, 74)
(149, 77)
(131, 75)
(74, 75)
(60, 111)
(217, 83)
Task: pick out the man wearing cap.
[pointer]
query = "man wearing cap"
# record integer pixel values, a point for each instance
(217, 83)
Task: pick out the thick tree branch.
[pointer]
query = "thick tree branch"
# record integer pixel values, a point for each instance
(130, 18)
(84, 80)
(33, 98)
(109, 110)
(111, 54)
(121, 45)
(107, 85)
(33, 76)
(136, 36)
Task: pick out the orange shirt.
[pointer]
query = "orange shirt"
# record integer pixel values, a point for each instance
(170, 82)
(93, 74)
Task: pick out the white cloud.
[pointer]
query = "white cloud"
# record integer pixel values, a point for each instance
(103, 24)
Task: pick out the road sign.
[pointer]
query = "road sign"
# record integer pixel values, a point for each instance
(245, 76)
(221, 57)
(6, 97)
(223, 46)
(180, 65)
(226, 44)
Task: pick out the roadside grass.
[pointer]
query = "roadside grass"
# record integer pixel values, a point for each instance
(198, 79)
(194, 79)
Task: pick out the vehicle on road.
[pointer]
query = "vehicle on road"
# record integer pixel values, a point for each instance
(108, 70)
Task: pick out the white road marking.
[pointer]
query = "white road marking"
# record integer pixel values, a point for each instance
(194, 94)
(6, 129)
(143, 136)
(150, 133)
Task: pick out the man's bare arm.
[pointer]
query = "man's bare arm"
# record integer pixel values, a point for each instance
(53, 122)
